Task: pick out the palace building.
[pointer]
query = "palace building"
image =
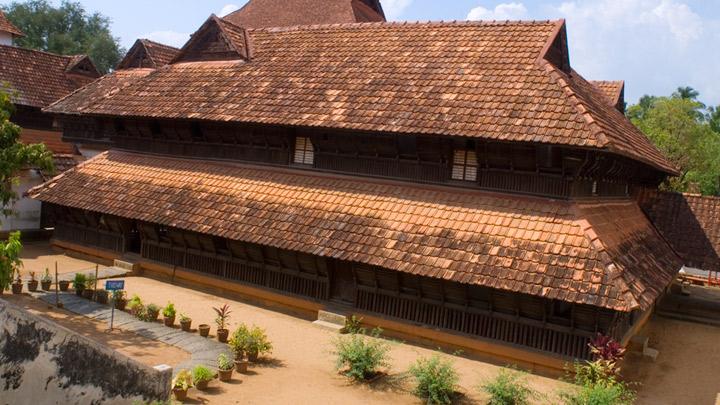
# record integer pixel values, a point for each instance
(454, 181)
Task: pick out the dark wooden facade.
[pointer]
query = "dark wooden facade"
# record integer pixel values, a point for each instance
(541, 324)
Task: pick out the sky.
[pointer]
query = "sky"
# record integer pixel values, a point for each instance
(654, 45)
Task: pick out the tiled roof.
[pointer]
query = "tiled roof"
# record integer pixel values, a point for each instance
(7, 26)
(52, 140)
(689, 222)
(274, 13)
(40, 78)
(65, 162)
(148, 54)
(604, 254)
(611, 89)
(105, 86)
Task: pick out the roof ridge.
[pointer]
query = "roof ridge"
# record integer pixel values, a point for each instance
(157, 43)
(430, 23)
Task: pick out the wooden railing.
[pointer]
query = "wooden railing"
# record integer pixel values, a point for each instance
(235, 269)
(83, 235)
(384, 167)
(505, 328)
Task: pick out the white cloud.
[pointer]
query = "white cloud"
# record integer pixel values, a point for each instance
(503, 11)
(229, 8)
(394, 8)
(176, 39)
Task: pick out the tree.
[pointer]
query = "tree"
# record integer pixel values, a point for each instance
(66, 30)
(686, 93)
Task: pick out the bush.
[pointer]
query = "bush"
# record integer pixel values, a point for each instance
(597, 385)
(508, 388)
(169, 310)
(201, 374)
(257, 341)
(238, 340)
(224, 363)
(9, 259)
(80, 281)
(360, 356)
(353, 325)
(135, 305)
(183, 380)
(436, 379)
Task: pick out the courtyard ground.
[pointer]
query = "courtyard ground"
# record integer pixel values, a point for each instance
(38, 256)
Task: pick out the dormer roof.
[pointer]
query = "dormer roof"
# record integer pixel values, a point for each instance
(614, 91)
(216, 40)
(285, 13)
(148, 54)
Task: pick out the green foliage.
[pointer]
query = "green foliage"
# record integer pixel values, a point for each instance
(353, 325)
(359, 357)
(185, 318)
(183, 380)
(257, 341)
(46, 278)
(80, 281)
(508, 388)
(238, 340)
(118, 295)
(595, 385)
(201, 374)
(134, 302)
(224, 363)
(68, 30)
(9, 259)
(223, 315)
(151, 312)
(688, 134)
(169, 310)
(14, 156)
(436, 379)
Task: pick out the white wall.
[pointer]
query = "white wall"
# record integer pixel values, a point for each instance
(5, 38)
(27, 211)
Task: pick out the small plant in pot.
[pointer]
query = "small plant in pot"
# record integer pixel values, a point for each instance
(238, 342)
(89, 291)
(9, 260)
(201, 376)
(152, 312)
(119, 300)
(135, 305)
(257, 343)
(101, 296)
(33, 282)
(223, 316)
(17, 286)
(185, 322)
(79, 283)
(181, 384)
(225, 368)
(169, 314)
(46, 280)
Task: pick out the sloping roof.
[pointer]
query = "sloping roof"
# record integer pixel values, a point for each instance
(474, 79)
(7, 26)
(51, 139)
(40, 78)
(274, 13)
(613, 90)
(148, 54)
(216, 39)
(689, 222)
(65, 162)
(604, 253)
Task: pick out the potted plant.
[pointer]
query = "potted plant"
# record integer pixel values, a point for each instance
(119, 300)
(201, 376)
(46, 280)
(152, 312)
(169, 314)
(89, 291)
(9, 260)
(225, 368)
(79, 283)
(64, 285)
(33, 282)
(135, 305)
(185, 322)
(17, 286)
(223, 315)
(204, 330)
(257, 343)
(238, 342)
(101, 296)
(181, 384)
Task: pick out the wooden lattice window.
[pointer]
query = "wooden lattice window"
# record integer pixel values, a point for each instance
(464, 165)
(304, 153)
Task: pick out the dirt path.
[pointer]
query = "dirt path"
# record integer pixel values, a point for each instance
(146, 351)
(301, 370)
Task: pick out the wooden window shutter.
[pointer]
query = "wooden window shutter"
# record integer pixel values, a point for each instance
(304, 153)
(464, 165)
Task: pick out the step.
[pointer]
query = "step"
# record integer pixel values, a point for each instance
(332, 317)
(125, 265)
(333, 327)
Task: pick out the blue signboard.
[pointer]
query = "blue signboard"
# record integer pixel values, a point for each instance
(115, 285)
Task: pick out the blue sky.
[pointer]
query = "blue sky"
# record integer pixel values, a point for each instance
(654, 45)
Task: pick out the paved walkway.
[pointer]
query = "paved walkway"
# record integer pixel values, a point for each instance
(203, 351)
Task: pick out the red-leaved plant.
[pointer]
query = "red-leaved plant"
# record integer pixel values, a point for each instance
(607, 354)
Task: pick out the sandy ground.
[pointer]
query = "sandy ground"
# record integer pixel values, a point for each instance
(146, 351)
(301, 367)
(687, 371)
(37, 256)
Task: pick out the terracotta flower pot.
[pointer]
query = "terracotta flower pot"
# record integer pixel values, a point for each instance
(88, 293)
(32, 285)
(180, 394)
(17, 288)
(185, 325)
(225, 375)
(202, 385)
(121, 304)
(204, 330)
(101, 296)
(253, 356)
(79, 291)
(222, 335)
(46, 285)
(169, 321)
(241, 366)
(64, 285)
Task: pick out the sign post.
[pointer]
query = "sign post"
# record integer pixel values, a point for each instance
(112, 286)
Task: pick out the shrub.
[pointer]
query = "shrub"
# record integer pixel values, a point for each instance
(118, 295)
(353, 325)
(607, 354)
(436, 379)
(224, 363)
(134, 304)
(257, 341)
(80, 281)
(9, 259)
(183, 380)
(508, 388)
(169, 310)
(596, 385)
(152, 311)
(360, 356)
(201, 374)
(238, 340)
(223, 315)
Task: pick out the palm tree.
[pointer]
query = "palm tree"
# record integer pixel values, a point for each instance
(687, 93)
